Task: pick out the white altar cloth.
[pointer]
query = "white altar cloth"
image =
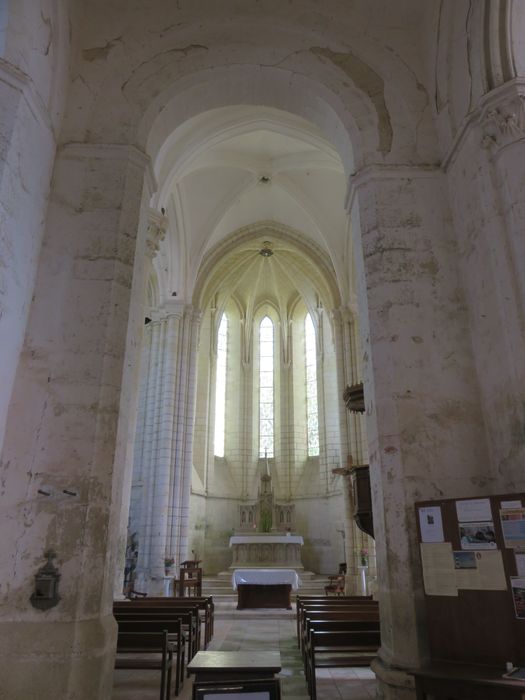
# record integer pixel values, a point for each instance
(266, 539)
(266, 577)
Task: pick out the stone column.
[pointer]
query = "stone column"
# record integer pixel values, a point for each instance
(27, 149)
(142, 427)
(66, 441)
(177, 538)
(166, 450)
(425, 428)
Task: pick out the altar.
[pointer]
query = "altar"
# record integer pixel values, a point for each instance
(264, 588)
(266, 551)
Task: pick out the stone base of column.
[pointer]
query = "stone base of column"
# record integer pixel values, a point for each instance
(45, 660)
(393, 683)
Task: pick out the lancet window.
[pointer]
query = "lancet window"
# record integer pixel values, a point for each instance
(266, 388)
(220, 387)
(312, 414)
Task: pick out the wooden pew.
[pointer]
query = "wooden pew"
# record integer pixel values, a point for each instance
(335, 649)
(188, 618)
(175, 638)
(357, 613)
(204, 603)
(152, 643)
(159, 606)
(320, 604)
(341, 623)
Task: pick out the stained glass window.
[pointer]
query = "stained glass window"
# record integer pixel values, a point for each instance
(220, 387)
(312, 422)
(266, 388)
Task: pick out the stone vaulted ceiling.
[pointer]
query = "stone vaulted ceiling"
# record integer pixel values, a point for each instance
(233, 168)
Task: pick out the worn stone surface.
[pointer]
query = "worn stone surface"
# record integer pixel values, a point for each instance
(415, 108)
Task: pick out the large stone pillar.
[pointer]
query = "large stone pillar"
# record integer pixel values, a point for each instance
(64, 459)
(425, 428)
(27, 149)
(167, 449)
(486, 175)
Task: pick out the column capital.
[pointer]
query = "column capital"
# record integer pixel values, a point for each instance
(343, 314)
(157, 226)
(170, 308)
(381, 171)
(502, 116)
(499, 116)
(113, 152)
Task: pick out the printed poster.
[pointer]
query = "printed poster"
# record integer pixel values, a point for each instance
(477, 535)
(513, 526)
(518, 594)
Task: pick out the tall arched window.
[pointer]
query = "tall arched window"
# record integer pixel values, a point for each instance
(266, 382)
(220, 387)
(312, 420)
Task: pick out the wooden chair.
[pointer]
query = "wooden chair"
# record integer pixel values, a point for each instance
(190, 581)
(336, 585)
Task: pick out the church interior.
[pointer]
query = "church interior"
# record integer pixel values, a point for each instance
(262, 327)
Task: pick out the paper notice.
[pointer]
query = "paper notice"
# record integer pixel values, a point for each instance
(482, 571)
(510, 504)
(438, 569)
(475, 509)
(513, 526)
(431, 524)
(491, 571)
(520, 563)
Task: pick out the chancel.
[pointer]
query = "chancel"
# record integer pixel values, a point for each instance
(262, 291)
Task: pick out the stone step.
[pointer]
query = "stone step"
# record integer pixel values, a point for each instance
(221, 589)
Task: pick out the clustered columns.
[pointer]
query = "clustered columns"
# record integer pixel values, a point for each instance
(164, 446)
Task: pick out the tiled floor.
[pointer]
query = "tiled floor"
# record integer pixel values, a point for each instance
(259, 630)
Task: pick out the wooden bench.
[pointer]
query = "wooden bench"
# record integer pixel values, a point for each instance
(147, 644)
(356, 615)
(158, 605)
(335, 649)
(175, 639)
(319, 604)
(336, 625)
(204, 603)
(187, 619)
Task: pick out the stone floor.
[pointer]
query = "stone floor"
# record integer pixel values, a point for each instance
(260, 630)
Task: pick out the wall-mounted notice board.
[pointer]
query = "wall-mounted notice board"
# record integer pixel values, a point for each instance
(473, 562)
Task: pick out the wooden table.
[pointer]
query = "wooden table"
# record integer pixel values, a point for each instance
(234, 665)
(450, 681)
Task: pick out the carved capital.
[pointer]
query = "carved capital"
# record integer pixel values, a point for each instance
(503, 123)
(157, 226)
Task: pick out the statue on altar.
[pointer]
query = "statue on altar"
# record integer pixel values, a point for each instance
(266, 515)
